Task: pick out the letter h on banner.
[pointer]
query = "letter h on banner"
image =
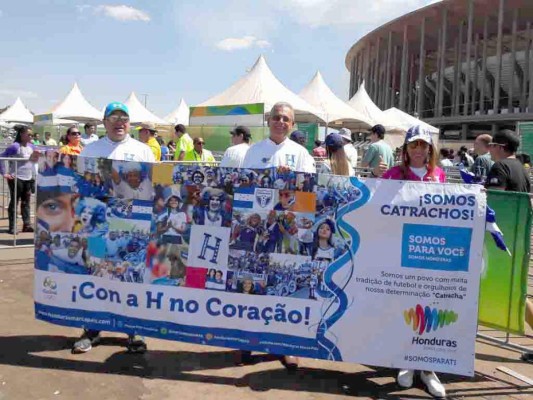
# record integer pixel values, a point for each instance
(206, 246)
(209, 247)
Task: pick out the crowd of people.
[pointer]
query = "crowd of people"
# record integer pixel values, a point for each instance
(493, 162)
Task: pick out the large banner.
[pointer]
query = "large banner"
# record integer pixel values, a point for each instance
(377, 272)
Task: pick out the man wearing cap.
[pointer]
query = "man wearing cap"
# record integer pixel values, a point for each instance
(507, 173)
(147, 133)
(116, 145)
(299, 137)
(198, 153)
(184, 142)
(378, 150)
(351, 152)
(234, 155)
(278, 150)
(90, 134)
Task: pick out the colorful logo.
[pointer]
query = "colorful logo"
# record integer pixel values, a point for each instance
(427, 319)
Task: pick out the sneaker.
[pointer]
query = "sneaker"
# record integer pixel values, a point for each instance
(136, 344)
(405, 378)
(432, 382)
(27, 228)
(86, 342)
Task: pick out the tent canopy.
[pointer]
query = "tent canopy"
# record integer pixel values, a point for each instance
(333, 109)
(363, 104)
(17, 112)
(180, 115)
(260, 85)
(139, 113)
(408, 120)
(75, 107)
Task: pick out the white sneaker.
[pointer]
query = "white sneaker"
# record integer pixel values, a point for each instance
(432, 382)
(405, 378)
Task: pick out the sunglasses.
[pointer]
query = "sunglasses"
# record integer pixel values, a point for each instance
(492, 144)
(116, 118)
(75, 133)
(418, 143)
(278, 118)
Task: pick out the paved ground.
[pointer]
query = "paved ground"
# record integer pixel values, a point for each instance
(35, 363)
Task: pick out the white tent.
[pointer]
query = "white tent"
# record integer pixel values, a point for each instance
(363, 104)
(333, 109)
(139, 113)
(74, 107)
(260, 85)
(180, 115)
(408, 120)
(17, 112)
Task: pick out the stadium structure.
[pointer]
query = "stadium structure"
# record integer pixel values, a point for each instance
(461, 65)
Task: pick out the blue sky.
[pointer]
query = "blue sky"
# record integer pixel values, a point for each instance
(169, 49)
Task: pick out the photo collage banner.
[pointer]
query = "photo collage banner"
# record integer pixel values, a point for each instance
(168, 250)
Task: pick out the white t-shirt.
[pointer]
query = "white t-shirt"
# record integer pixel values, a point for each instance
(86, 140)
(325, 254)
(351, 154)
(420, 172)
(267, 154)
(234, 156)
(176, 220)
(128, 149)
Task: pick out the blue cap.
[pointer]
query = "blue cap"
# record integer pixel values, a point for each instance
(334, 141)
(418, 132)
(116, 106)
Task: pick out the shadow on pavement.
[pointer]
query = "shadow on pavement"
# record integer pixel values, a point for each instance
(181, 365)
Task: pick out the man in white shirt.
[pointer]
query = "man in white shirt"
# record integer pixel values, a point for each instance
(278, 150)
(351, 152)
(234, 155)
(281, 152)
(116, 145)
(90, 134)
(48, 140)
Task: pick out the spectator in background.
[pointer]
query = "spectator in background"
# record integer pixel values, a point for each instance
(22, 176)
(171, 147)
(483, 163)
(36, 139)
(319, 150)
(349, 150)
(73, 146)
(465, 158)
(445, 161)
(164, 148)
(525, 159)
(507, 173)
(184, 144)
(234, 155)
(48, 141)
(90, 134)
(198, 153)
(299, 137)
(147, 133)
(337, 162)
(378, 149)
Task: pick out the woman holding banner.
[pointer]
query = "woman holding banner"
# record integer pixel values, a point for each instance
(418, 163)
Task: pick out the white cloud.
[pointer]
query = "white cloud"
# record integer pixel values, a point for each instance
(369, 13)
(27, 94)
(120, 12)
(245, 42)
